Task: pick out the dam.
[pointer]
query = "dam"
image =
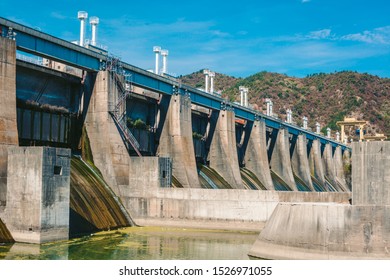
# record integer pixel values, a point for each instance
(89, 142)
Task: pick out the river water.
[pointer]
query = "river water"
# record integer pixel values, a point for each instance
(140, 243)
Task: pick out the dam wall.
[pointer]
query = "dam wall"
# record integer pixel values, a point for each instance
(334, 231)
(150, 204)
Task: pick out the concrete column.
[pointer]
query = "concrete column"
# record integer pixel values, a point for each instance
(223, 150)
(300, 161)
(109, 151)
(339, 167)
(371, 173)
(256, 159)
(38, 196)
(280, 159)
(315, 162)
(176, 141)
(8, 124)
(329, 166)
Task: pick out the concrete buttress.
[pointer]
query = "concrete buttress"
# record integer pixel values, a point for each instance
(176, 141)
(280, 159)
(109, 152)
(315, 161)
(256, 159)
(339, 167)
(300, 161)
(329, 166)
(223, 150)
(8, 124)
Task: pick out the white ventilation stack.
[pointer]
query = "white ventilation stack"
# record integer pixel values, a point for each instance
(82, 16)
(157, 50)
(241, 89)
(304, 119)
(94, 21)
(206, 73)
(212, 75)
(164, 54)
(318, 128)
(269, 107)
(244, 96)
(289, 116)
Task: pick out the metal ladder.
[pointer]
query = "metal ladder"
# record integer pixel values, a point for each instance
(118, 116)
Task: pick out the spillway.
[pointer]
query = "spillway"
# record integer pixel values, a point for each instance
(93, 205)
(210, 179)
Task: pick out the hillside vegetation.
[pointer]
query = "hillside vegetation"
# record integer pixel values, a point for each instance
(326, 98)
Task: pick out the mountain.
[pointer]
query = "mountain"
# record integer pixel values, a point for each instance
(323, 98)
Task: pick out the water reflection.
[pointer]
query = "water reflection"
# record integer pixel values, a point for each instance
(137, 243)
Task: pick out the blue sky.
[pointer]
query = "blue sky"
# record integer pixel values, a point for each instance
(240, 38)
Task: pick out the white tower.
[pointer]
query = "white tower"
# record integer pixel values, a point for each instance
(157, 50)
(269, 107)
(164, 54)
(94, 21)
(289, 116)
(338, 136)
(82, 16)
(318, 128)
(206, 73)
(244, 96)
(211, 75)
(328, 131)
(304, 119)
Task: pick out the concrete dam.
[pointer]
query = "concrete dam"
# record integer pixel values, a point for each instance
(88, 142)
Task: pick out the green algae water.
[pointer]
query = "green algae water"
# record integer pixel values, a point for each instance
(140, 243)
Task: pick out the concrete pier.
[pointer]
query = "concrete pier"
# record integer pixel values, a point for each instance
(8, 124)
(109, 151)
(38, 194)
(315, 162)
(176, 141)
(223, 150)
(339, 168)
(300, 161)
(329, 166)
(256, 159)
(336, 231)
(280, 159)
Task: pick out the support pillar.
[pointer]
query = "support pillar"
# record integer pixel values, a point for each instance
(315, 162)
(300, 161)
(223, 150)
(176, 141)
(330, 167)
(339, 167)
(256, 158)
(280, 159)
(109, 151)
(8, 124)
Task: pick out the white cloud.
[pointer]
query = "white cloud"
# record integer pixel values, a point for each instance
(379, 35)
(320, 34)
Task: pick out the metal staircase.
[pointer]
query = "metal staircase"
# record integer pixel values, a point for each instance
(119, 113)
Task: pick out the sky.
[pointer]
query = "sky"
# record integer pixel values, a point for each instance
(236, 38)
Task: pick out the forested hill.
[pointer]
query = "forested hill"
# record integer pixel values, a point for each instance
(326, 98)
